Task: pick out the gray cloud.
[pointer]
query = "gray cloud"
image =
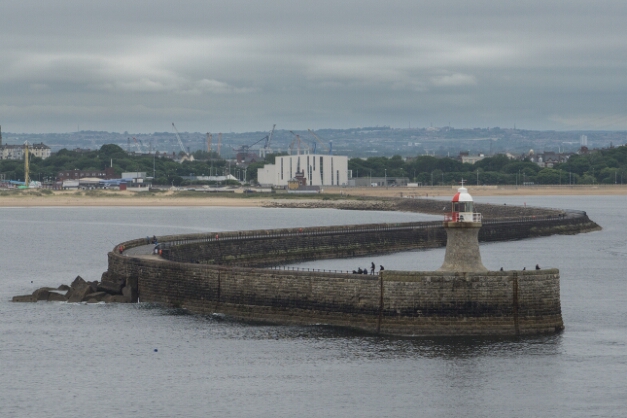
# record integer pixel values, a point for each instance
(243, 65)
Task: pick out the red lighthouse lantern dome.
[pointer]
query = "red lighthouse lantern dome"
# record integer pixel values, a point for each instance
(462, 208)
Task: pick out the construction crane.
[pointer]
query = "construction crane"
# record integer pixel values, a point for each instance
(245, 149)
(178, 138)
(269, 137)
(297, 141)
(266, 147)
(328, 149)
(139, 150)
(219, 143)
(209, 137)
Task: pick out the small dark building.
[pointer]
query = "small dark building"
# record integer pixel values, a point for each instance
(106, 174)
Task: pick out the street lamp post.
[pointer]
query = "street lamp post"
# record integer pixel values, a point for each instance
(386, 177)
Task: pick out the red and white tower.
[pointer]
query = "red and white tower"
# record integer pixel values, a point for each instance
(462, 226)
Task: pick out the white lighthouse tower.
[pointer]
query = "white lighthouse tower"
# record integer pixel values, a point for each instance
(462, 226)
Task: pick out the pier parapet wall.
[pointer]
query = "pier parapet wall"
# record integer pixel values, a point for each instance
(228, 272)
(397, 303)
(264, 248)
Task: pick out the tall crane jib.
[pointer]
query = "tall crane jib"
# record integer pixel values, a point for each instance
(266, 147)
(178, 138)
(139, 150)
(328, 149)
(298, 143)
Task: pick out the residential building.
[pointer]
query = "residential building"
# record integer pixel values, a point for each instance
(465, 157)
(12, 152)
(16, 152)
(548, 159)
(40, 150)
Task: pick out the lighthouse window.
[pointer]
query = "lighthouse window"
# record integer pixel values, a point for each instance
(462, 207)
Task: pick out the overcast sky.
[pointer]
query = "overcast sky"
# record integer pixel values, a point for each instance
(242, 65)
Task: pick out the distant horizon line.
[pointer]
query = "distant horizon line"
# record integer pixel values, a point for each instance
(383, 127)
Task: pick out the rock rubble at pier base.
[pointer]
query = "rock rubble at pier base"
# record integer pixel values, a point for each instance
(108, 290)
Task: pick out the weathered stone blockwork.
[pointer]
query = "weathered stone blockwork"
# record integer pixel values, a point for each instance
(399, 303)
(275, 247)
(221, 272)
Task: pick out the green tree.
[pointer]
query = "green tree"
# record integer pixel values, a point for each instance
(495, 163)
(548, 176)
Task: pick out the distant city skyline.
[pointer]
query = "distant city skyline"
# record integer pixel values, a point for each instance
(243, 66)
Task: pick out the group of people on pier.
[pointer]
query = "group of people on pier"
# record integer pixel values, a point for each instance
(365, 270)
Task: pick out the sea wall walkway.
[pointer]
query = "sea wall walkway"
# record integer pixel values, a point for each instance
(243, 273)
(267, 248)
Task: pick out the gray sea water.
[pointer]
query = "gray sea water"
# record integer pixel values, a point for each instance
(75, 360)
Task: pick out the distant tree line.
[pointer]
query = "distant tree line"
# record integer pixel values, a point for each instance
(166, 170)
(606, 166)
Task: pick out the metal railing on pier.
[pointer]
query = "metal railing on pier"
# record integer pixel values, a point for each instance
(314, 270)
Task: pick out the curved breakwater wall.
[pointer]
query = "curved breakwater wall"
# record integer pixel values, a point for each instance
(264, 248)
(394, 302)
(223, 272)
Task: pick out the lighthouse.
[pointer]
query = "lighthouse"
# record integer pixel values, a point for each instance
(462, 226)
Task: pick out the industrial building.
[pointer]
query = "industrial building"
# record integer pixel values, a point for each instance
(378, 182)
(317, 170)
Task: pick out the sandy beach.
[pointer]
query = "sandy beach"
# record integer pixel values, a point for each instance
(36, 198)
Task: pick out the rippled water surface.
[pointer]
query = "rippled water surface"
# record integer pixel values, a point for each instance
(71, 360)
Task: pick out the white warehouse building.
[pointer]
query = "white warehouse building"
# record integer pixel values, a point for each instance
(318, 170)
